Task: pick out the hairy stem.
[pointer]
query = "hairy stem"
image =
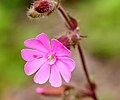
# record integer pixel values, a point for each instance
(66, 18)
(58, 3)
(86, 71)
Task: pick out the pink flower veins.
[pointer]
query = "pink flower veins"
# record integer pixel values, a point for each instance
(49, 62)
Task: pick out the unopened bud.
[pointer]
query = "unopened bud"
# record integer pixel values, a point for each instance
(65, 41)
(75, 39)
(32, 13)
(50, 91)
(41, 8)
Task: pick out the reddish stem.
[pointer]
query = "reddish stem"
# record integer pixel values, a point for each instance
(58, 3)
(64, 16)
(86, 71)
(69, 22)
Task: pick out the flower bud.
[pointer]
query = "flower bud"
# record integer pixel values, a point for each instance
(42, 8)
(50, 91)
(75, 38)
(32, 13)
(65, 41)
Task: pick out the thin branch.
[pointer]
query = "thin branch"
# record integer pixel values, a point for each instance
(85, 71)
(64, 16)
(69, 22)
(58, 3)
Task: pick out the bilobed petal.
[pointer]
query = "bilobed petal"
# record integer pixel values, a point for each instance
(70, 64)
(55, 78)
(29, 55)
(35, 44)
(43, 74)
(32, 66)
(60, 49)
(44, 40)
(65, 72)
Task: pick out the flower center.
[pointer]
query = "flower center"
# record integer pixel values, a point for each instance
(51, 58)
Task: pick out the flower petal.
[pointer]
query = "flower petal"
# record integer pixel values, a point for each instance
(70, 64)
(65, 72)
(43, 74)
(44, 40)
(55, 78)
(32, 66)
(35, 44)
(60, 49)
(29, 55)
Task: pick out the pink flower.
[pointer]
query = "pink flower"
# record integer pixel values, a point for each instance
(49, 62)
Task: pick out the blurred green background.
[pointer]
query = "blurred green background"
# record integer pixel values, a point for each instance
(98, 19)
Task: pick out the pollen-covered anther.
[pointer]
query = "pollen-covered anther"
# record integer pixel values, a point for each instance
(51, 58)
